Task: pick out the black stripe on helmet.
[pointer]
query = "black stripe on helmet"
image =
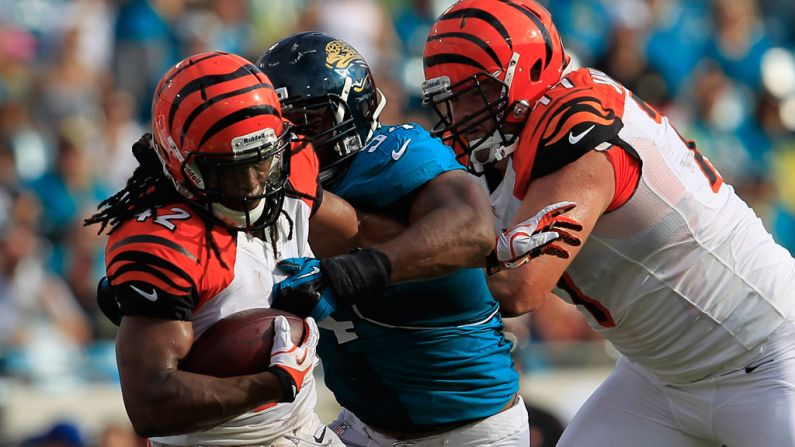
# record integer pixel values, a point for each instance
(486, 16)
(204, 82)
(544, 31)
(185, 67)
(472, 38)
(450, 58)
(239, 115)
(206, 104)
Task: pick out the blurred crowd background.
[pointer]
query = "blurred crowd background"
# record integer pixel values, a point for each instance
(76, 79)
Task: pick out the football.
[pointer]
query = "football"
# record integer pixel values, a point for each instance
(239, 344)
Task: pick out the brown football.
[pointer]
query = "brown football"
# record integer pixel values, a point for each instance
(239, 344)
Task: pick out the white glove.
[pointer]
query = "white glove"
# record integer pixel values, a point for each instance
(534, 237)
(290, 363)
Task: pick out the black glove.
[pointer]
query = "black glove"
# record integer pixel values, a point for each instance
(107, 301)
(358, 275)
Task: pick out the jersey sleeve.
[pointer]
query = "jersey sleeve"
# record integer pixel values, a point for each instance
(395, 162)
(626, 172)
(305, 173)
(159, 266)
(581, 113)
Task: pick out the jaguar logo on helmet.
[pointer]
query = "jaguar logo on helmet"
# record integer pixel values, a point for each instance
(340, 55)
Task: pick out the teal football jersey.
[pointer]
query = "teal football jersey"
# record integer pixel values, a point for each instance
(426, 352)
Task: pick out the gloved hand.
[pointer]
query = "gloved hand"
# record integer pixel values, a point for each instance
(290, 363)
(535, 237)
(317, 286)
(107, 301)
(306, 292)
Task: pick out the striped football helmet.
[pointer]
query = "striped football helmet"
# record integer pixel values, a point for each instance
(498, 56)
(219, 133)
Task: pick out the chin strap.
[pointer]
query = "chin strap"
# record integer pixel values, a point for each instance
(235, 218)
(493, 150)
(374, 123)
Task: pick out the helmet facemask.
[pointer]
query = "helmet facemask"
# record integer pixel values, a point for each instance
(245, 188)
(479, 137)
(329, 124)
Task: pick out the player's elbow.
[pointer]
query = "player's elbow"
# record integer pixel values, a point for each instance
(515, 301)
(476, 215)
(479, 230)
(145, 426)
(482, 236)
(148, 417)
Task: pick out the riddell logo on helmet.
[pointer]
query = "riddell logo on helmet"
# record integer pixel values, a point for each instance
(253, 140)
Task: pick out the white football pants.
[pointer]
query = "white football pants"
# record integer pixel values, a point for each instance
(749, 407)
(507, 429)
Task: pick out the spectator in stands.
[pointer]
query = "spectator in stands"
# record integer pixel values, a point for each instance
(68, 189)
(739, 41)
(62, 434)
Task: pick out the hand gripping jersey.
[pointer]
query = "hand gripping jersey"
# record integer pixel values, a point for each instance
(682, 278)
(426, 352)
(160, 265)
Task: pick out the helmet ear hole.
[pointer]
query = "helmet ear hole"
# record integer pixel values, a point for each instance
(535, 71)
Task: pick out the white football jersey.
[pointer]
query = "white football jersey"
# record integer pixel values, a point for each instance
(171, 256)
(683, 278)
(254, 277)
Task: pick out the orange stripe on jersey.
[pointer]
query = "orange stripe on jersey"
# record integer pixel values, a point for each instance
(264, 407)
(626, 172)
(304, 171)
(169, 249)
(151, 265)
(575, 116)
(141, 242)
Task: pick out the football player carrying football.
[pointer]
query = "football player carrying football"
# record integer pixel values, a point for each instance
(677, 271)
(217, 200)
(424, 361)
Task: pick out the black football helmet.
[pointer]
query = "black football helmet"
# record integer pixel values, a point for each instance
(328, 93)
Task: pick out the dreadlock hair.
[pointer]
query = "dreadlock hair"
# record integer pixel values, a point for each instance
(147, 189)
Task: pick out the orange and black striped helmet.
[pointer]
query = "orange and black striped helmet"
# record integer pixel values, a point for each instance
(218, 130)
(510, 45)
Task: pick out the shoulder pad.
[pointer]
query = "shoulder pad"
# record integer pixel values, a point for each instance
(305, 172)
(168, 249)
(580, 113)
(394, 162)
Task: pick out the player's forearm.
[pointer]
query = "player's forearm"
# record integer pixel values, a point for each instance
(445, 240)
(334, 228)
(183, 402)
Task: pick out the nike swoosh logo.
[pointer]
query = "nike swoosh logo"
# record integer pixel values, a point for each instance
(314, 271)
(150, 296)
(750, 369)
(322, 436)
(574, 139)
(399, 153)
